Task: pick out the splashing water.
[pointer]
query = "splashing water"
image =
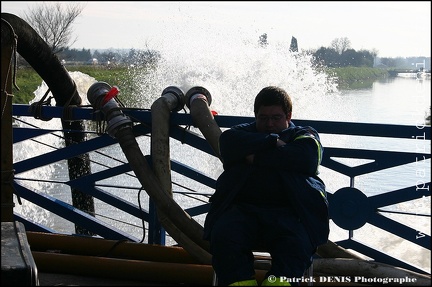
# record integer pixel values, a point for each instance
(28, 149)
(234, 70)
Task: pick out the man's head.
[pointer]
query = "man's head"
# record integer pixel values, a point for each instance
(273, 110)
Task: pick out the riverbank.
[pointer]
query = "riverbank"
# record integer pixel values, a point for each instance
(28, 80)
(356, 77)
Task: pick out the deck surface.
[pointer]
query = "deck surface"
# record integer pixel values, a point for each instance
(58, 279)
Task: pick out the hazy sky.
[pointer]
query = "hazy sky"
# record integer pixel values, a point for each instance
(390, 28)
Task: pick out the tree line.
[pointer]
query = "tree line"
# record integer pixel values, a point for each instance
(109, 57)
(334, 56)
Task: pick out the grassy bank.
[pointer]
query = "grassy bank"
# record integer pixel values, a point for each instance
(28, 80)
(356, 77)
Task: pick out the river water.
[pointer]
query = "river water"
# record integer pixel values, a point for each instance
(233, 85)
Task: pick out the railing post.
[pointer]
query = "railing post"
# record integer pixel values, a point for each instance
(7, 48)
(156, 233)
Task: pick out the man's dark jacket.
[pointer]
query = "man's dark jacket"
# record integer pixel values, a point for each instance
(297, 163)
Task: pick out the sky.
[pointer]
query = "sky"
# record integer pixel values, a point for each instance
(390, 28)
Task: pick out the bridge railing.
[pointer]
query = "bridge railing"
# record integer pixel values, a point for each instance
(128, 213)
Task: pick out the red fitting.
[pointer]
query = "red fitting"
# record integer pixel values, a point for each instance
(111, 94)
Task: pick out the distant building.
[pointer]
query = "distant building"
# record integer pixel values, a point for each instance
(92, 61)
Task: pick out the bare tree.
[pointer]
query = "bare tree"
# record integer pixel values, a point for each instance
(53, 22)
(340, 45)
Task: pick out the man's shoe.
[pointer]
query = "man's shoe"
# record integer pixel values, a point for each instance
(275, 281)
(245, 283)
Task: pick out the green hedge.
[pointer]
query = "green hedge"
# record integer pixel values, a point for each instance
(356, 77)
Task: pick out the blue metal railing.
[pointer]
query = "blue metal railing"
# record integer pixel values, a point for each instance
(350, 208)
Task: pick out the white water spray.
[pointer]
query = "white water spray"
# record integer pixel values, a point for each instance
(233, 67)
(56, 172)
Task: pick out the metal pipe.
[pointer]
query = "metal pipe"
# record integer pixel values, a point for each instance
(146, 271)
(190, 236)
(7, 47)
(171, 99)
(92, 246)
(40, 56)
(101, 95)
(198, 100)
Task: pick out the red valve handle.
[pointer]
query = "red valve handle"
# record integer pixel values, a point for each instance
(111, 94)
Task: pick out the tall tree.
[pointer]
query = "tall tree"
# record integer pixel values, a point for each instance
(293, 46)
(53, 22)
(340, 45)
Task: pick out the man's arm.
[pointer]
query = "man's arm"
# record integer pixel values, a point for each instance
(238, 142)
(301, 154)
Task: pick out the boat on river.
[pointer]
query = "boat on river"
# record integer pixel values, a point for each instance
(423, 75)
(100, 249)
(420, 75)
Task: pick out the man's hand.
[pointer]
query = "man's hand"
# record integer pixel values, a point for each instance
(280, 142)
(250, 158)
